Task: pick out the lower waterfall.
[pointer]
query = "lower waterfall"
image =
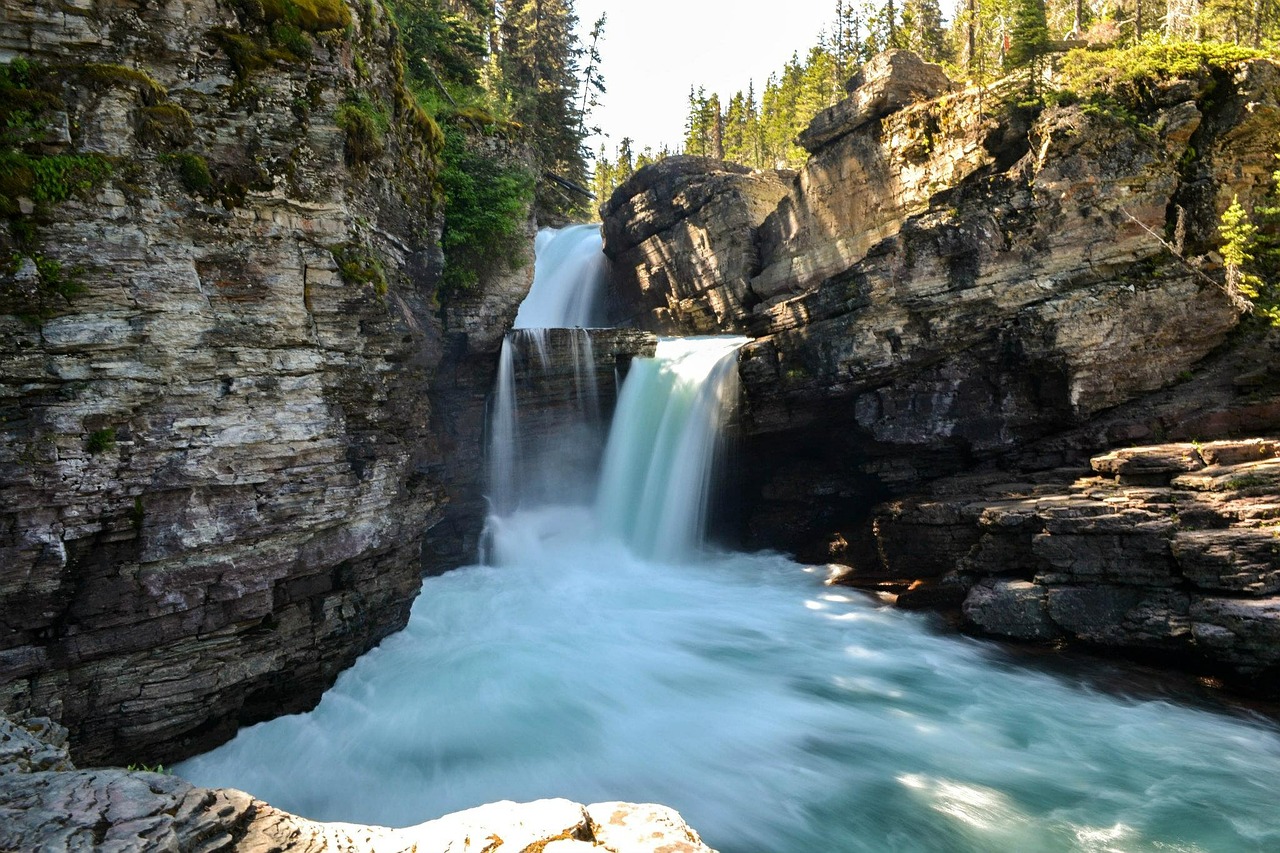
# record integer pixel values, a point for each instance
(606, 654)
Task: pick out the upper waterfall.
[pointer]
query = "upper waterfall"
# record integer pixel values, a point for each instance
(568, 280)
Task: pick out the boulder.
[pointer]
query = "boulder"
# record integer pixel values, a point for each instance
(889, 81)
(681, 237)
(46, 804)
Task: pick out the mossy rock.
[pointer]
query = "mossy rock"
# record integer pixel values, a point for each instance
(359, 267)
(166, 125)
(193, 172)
(103, 75)
(313, 16)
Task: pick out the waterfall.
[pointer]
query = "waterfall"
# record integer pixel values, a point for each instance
(658, 463)
(528, 460)
(568, 280)
(654, 483)
(774, 712)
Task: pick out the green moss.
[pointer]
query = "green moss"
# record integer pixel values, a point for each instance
(166, 125)
(193, 172)
(358, 267)
(247, 53)
(365, 123)
(110, 76)
(101, 441)
(313, 16)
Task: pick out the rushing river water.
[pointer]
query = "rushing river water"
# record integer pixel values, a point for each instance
(604, 656)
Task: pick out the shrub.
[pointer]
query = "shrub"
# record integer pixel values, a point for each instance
(193, 172)
(1149, 62)
(101, 441)
(366, 126)
(486, 205)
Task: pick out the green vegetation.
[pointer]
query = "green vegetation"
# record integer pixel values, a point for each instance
(166, 125)
(485, 209)
(148, 768)
(107, 76)
(1132, 47)
(1143, 65)
(1251, 255)
(359, 267)
(313, 16)
(365, 124)
(101, 441)
(193, 172)
(51, 179)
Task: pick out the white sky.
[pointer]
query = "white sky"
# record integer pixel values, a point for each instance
(653, 50)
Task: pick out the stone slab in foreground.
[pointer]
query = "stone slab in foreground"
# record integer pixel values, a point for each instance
(47, 805)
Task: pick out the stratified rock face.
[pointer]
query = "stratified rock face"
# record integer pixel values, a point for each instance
(1175, 549)
(215, 463)
(46, 804)
(948, 281)
(681, 236)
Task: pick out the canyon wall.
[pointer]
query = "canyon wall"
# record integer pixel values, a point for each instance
(220, 338)
(957, 282)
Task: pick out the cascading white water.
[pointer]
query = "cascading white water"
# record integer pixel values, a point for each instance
(775, 713)
(657, 468)
(567, 293)
(568, 280)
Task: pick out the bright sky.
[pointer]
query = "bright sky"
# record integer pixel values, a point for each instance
(653, 50)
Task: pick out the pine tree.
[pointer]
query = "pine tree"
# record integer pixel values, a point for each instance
(1028, 38)
(922, 30)
(539, 69)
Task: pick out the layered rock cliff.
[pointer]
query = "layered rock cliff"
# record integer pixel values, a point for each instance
(217, 296)
(956, 282)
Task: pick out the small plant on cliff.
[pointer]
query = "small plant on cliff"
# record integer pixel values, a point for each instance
(365, 124)
(358, 267)
(193, 172)
(101, 441)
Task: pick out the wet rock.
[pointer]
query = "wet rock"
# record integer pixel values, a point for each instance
(1015, 609)
(1179, 568)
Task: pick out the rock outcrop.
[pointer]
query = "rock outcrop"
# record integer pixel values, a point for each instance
(219, 330)
(956, 284)
(681, 236)
(950, 280)
(1170, 550)
(45, 804)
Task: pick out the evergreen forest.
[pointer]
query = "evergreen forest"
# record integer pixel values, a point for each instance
(986, 40)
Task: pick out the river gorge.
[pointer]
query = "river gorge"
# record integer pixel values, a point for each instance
(923, 497)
